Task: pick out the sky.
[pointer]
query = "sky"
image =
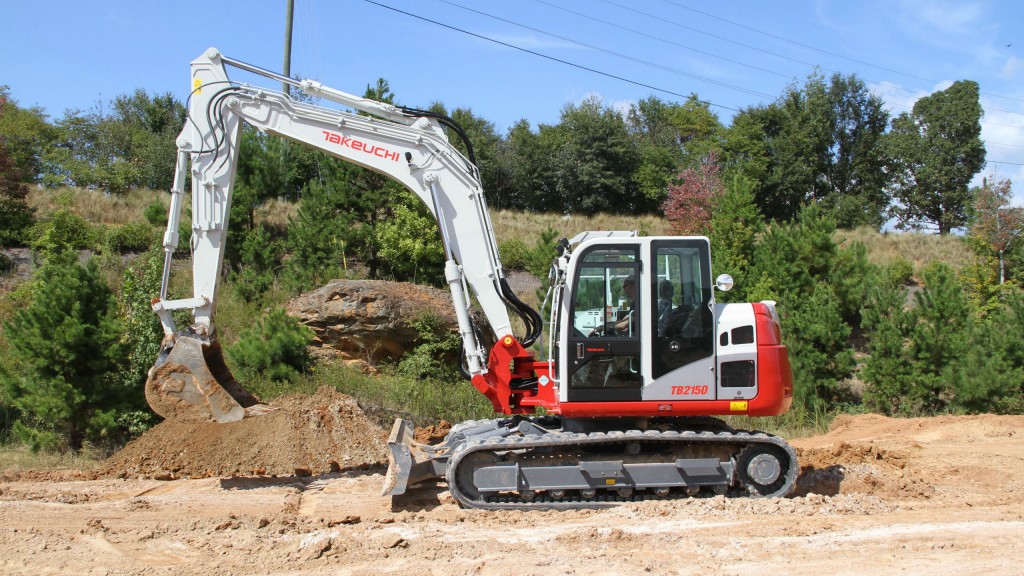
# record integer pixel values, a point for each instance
(527, 59)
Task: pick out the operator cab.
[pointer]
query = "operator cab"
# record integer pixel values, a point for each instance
(641, 327)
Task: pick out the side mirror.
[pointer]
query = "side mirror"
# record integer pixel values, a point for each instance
(724, 283)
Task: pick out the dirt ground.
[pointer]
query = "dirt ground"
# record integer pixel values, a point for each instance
(876, 496)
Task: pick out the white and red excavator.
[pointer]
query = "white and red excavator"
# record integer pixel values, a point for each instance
(639, 358)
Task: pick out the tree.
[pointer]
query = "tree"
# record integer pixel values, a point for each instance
(816, 142)
(91, 150)
(133, 145)
(670, 137)
(522, 165)
(851, 178)
(737, 225)
(796, 264)
(323, 232)
(688, 206)
(153, 123)
(995, 225)
(15, 213)
(484, 139)
(590, 161)
(26, 133)
(67, 345)
(276, 348)
(935, 150)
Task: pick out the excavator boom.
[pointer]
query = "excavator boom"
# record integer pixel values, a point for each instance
(190, 378)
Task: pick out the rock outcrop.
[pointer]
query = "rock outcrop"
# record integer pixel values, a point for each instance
(370, 320)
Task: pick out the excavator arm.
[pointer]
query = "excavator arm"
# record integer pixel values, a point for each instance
(190, 379)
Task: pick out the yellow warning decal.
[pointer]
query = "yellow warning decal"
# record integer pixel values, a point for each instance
(737, 406)
(609, 480)
(197, 86)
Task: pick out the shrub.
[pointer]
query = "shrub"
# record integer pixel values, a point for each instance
(156, 214)
(516, 255)
(16, 218)
(64, 230)
(142, 332)
(901, 271)
(275, 348)
(409, 245)
(436, 355)
(131, 237)
(513, 254)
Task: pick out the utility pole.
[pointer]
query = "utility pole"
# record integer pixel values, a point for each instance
(290, 11)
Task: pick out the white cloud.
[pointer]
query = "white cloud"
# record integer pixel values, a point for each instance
(622, 107)
(946, 18)
(1012, 67)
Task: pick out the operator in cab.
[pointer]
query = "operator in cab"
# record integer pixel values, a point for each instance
(627, 324)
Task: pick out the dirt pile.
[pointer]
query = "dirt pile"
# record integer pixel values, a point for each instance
(325, 432)
(897, 457)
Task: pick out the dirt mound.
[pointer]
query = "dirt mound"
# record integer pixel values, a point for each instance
(901, 457)
(325, 432)
(858, 469)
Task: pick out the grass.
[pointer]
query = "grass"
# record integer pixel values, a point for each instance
(95, 206)
(528, 225)
(918, 248)
(15, 458)
(798, 422)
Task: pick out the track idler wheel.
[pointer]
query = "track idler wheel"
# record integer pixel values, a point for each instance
(190, 381)
(762, 468)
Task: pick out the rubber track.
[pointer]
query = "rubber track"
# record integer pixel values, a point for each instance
(741, 440)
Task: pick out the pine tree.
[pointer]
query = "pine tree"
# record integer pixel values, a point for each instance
(276, 348)
(67, 347)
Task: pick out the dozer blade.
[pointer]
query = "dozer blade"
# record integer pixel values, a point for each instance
(409, 461)
(190, 381)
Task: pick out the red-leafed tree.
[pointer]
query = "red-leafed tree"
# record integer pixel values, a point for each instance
(997, 225)
(689, 203)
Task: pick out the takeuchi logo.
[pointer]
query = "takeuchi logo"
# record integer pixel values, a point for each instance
(359, 145)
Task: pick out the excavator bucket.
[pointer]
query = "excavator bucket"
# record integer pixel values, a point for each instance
(409, 461)
(190, 381)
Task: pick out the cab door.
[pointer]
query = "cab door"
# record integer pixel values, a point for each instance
(604, 343)
(682, 321)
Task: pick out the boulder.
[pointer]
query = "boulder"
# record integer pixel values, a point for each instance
(370, 320)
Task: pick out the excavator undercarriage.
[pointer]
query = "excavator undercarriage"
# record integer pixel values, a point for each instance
(520, 463)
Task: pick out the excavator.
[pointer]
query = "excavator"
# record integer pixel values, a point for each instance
(639, 362)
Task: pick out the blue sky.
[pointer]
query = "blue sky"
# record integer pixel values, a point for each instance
(64, 55)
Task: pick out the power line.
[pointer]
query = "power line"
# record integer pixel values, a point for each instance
(809, 47)
(738, 62)
(722, 38)
(611, 52)
(659, 39)
(545, 56)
